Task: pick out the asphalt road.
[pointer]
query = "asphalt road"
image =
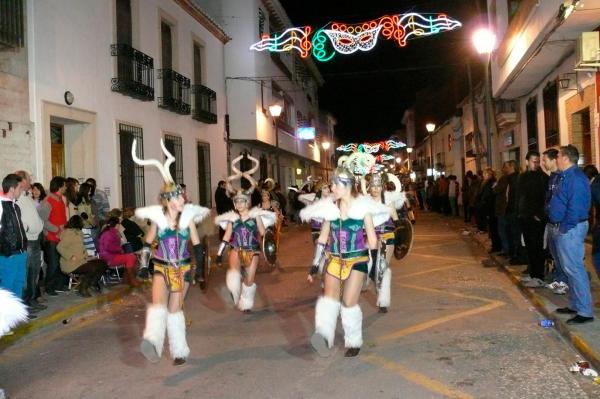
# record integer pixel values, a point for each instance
(455, 329)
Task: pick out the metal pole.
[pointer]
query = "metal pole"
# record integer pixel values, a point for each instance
(490, 120)
(476, 131)
(276, 150)
(431, 151)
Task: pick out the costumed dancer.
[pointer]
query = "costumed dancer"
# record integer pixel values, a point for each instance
(382, 275)
(173, 225)
(344, 223)
(243, 228)
(321, 190)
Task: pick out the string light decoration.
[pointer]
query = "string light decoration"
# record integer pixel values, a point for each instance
(347, 39)
(371, 148)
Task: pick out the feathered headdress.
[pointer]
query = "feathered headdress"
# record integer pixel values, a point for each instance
(170, 189)
(237, 175)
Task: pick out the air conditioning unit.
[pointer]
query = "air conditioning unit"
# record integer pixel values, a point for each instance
(587, 52)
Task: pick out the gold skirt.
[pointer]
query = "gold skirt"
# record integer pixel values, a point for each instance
(341, 268)
(175, 277)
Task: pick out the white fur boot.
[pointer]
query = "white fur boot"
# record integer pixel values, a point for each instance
(233, 280)
(177, 344)
(154, 333)
(384, 294)
(352, 322)
(327, 311)
(247, 297)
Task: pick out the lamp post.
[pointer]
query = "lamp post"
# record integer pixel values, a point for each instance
(326, 145)
(484, 41)
(275, 111)
(430, 129)
(409, 150)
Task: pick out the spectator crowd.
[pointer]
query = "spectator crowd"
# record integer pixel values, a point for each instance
(539, 216)
(64, 236)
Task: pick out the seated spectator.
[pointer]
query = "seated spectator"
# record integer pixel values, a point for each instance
(109, 247)
(132, 231)
(74, 257)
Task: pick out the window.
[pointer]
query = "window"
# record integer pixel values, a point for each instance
(284, 121)
(175, 147)
(204, 102)
(197, 64)
(175, 87)
(551, 114)
(11, 24)
(124, 29)
(204, 191)
(166, 41)
(132, 174)
(263, 167)
(261, 23)
(532, 128)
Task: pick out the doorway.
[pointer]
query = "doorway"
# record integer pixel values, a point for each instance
(57, 149)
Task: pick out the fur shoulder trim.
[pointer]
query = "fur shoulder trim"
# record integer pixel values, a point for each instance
(396, 199)
(307, 199)
(227, 217)
(155, 213)
(12, 312)
(267, 217)
(364, 205)
(193, 212)
(323, 209)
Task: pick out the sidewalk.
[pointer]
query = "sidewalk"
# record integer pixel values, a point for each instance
(585, 338)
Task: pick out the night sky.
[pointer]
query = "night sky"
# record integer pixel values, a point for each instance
(368, 91)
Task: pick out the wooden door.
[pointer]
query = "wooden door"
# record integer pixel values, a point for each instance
(57, 149)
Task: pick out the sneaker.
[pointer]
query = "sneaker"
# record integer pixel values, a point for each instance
(534, 283)
(553, 285)
(561, 288)
(525, 278)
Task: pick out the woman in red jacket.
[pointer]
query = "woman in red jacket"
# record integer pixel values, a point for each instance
(110, 250)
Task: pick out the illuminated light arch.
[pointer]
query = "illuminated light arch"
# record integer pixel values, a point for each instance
(371, 148)
(345, 39)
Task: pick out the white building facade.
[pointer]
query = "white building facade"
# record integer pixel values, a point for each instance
(256, 80)
(104, 72)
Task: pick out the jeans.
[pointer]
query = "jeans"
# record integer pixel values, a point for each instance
(596, 249)
(533, 235)
(570, 251)
(559, 272)
(34, 264)
(55, 280)
(12, 273)
(503, 233)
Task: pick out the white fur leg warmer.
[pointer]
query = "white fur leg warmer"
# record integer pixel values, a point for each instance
(12, 312)
(352, 323)
(233, 279)
(177, 343)
(247, 297)
(156, 324)
(384, 294)
(327, 311)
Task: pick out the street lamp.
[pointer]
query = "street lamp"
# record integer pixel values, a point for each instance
(275, 111)
(409, 150)
(430, 129)
(484, 41)
(398, 159)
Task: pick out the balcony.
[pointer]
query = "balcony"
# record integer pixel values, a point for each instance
(11, 24)
(204, 104)
(135, 72)
(506, 113)
(175, 92)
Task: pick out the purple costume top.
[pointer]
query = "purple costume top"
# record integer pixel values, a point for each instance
(245, 234)
(173, 246)
(349, 239)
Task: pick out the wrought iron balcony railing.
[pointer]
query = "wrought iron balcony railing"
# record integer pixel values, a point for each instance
(135, 72)
(204, 103)
(175, 92)
(11, 24)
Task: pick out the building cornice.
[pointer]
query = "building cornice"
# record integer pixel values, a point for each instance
(204, 20)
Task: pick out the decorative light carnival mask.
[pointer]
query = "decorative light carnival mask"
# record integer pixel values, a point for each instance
(349, 38)
(170, 190)
(241, 194)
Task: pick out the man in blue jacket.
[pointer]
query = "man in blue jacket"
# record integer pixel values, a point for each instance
(568, 219)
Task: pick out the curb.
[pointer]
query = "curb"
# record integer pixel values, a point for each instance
(37, 324)
(540, 303)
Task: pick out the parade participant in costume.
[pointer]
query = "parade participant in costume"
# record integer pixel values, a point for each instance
(385, 232)
(173, 225)
(344, 223)
(321, 190)
(243, 228)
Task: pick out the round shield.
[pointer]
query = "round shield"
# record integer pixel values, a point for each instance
(269, 246)
(403, 238)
